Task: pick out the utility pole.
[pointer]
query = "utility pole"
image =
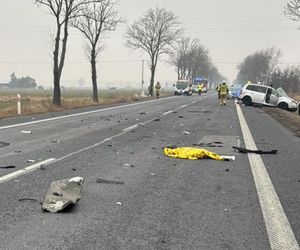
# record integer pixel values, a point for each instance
(142, 93)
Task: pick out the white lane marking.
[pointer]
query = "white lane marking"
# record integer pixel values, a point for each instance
(279, 230)
(130, 128)
(25, 170)
(183, 106)
(53, 160)
(79, 114)
(167, 112)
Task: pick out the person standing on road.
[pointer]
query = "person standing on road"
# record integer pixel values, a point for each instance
(223, 93)
(218, 90)
(157, 89)
(199, 89)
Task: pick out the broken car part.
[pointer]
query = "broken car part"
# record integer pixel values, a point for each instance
(258, 151)
(62, 194)
(3, 144)
(99, 180)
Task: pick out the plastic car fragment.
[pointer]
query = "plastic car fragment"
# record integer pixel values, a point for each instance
(62, 194)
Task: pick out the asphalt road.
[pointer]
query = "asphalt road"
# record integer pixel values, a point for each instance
(165, 203)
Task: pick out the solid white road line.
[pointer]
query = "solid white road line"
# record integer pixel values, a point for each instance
(279, 230)
(25, 170)
(82, 113)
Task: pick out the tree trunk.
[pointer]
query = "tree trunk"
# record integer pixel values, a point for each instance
(152, 80)
(56, 73)
(94, 76)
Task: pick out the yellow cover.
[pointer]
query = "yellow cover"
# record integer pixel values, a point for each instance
(191, 153)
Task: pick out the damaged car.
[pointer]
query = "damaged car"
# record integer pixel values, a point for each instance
(266, 95)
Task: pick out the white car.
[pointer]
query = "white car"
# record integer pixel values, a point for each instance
(266, 95)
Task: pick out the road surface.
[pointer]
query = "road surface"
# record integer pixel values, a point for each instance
(165, 203)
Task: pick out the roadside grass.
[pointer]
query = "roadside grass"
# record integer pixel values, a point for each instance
(40, 101)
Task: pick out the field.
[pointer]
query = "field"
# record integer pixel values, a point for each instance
(40, 101)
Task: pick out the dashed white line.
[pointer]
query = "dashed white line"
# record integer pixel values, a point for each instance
(130, 128)
(167, 112)
(28, 169)
(25, 170)
(279, 230)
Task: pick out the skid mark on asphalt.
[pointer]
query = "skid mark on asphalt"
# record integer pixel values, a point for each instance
(278, 227)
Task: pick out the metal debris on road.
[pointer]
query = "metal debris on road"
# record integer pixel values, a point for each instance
(119, 203)
(157, 119)
(180, 117)
(3, 144)
(6, 167)
(105, 181)
(26, 132)
(128, 165)
(31, 161)
(55, 141)
(186, 132)
(28, 199)
(258, 151)
(209, 144)
(62, 194)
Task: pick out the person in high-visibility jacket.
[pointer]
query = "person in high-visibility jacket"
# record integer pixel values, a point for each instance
(223, 92)
(200, 87)
(157, 88)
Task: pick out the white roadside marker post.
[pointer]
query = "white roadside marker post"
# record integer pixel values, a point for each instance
(19, 104)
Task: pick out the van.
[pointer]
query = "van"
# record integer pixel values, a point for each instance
(266, 95)
(183, 87)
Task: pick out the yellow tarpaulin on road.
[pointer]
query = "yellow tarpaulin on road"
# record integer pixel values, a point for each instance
(192, 153)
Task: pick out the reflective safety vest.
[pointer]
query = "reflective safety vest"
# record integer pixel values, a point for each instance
(223, 89)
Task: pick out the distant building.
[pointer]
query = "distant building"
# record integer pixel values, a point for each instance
(4, 85)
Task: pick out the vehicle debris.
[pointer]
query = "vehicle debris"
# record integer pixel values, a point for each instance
(105, 181)
(195, 154)
(3, 144)
(209, 144)
(6, 167)
(18, 151)
(180, 116)
(127, 165)
(142, 113)
(186, 132)
(42, 167)
(26, 132)
(55, 141)
(28, 199)
(119, 203)
(157, 119)
(31, 161)
(62, 194)
(258, 151)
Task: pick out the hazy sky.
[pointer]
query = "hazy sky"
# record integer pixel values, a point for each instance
(230, 29)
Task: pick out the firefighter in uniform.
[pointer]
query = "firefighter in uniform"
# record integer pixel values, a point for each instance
(200, 87)
(157, 89)
(223, 89)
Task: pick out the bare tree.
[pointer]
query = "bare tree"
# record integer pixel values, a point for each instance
(292, 10)
(63, 11)
(94, 21)
(259, 66)
(191, 59)
(154, 33)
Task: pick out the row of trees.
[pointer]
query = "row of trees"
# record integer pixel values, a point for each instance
(191, 59)
(156, 33)
(263, 66)
(21, 82)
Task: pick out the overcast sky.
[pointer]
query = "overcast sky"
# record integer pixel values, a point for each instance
(230, 29)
